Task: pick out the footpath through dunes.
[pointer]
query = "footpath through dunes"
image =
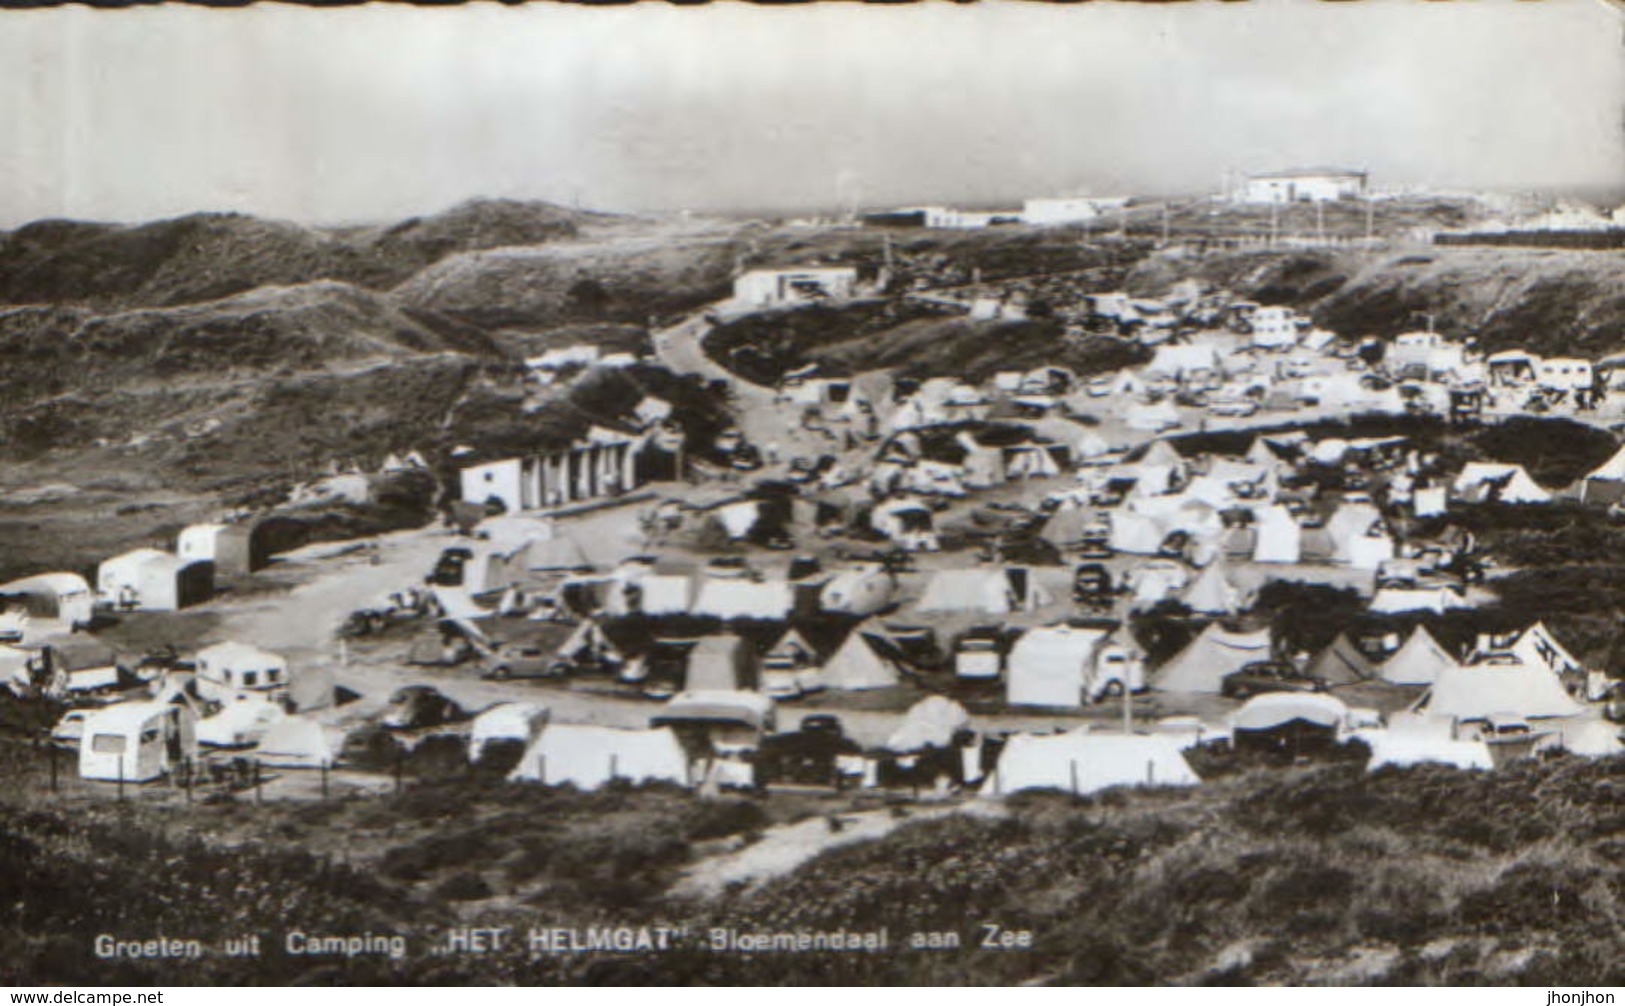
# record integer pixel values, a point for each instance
(782, 849)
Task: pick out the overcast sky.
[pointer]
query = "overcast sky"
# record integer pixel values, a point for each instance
(377, 113)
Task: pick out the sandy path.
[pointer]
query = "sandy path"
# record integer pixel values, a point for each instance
(782, 849)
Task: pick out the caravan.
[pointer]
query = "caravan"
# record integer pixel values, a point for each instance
(135, 741)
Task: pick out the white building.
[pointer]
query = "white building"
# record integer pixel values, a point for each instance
(1067, 210)
(771, 287)
(600, 467)
(1274, 327)
(1310, 185)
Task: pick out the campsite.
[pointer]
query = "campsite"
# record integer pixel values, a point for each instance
(1204, 584)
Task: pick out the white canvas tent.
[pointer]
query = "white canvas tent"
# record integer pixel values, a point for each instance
(1211, 593)
(856, 665)
(300, 742)
(590, 756)
(1135, 533)
(1405, 749)
(1202, 665)
(1277, 709)
(1482, 481)
(990, 591)
(1279, 538)
(1419, 661)
(930, 722)
(1478, 691)
(239, 723)
(728, 597)
(1395, 600)
(506, 721)
(1081, 762)
(1050, 666)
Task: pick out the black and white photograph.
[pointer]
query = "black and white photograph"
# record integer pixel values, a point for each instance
(1005, 493)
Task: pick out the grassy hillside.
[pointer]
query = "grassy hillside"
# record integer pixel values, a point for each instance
(908, 338)
(1266, 875)
(1550, 302)
(620, 280)
(207, 256)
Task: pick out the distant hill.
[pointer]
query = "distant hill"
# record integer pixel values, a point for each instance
(621, 280)
(207, 256)
(1550, 302)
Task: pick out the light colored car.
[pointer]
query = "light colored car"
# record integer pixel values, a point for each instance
(1233, 407)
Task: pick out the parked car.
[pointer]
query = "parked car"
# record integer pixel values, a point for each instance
(1092, 584)
(418, 706)
(1268, 676)
(448, 569)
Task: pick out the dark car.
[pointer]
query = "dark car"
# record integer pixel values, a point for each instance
(1092, 584)
(1268, 676)
(806, 757)
(418, 706)
(448, 569)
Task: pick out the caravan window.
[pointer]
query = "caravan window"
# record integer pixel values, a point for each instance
(272, 675)
(151, 735)
(250, 678)
(107, 744)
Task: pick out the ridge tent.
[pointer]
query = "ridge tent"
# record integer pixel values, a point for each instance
(1278, 536)
(929, 723)
(1080, 762)
(1135, 533)
(1211, 593)
(1202, 665)
(1589, 739)
(1343, 663)
(590, 756)
(1478, 691)
(1483, 481)
(300, 742)
(1419, 661)
(991, 591)
(858, 664)
(720, 663)
(1358, 536)
(1066, 527)
(1155, 581)
(1050, 666)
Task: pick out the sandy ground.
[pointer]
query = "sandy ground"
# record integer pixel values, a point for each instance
(782, 849)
